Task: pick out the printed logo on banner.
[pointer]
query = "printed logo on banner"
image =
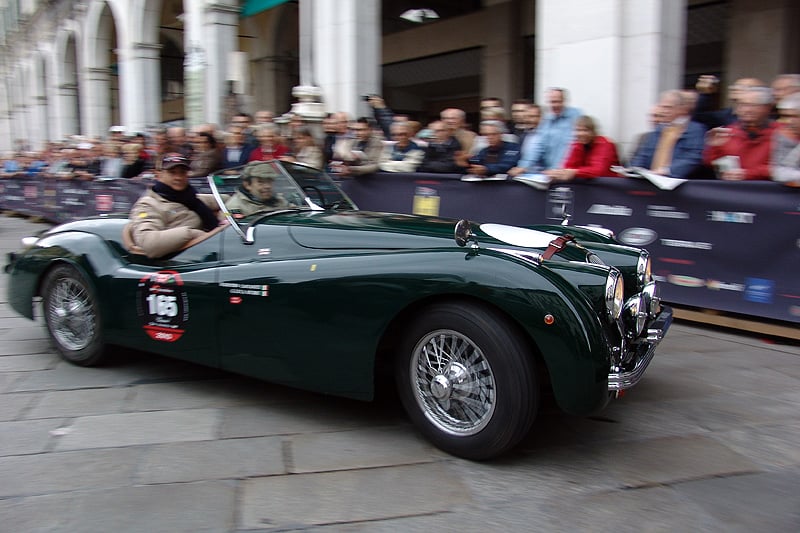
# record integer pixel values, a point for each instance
(794, 310)
(737, 217)
(613, 210)
(638, 236)
(686, 281)
(163, 305)
(716, 285)
(560, 202)
(694, 245)
(758, 290)
(666, 211)
(426, 202)
(31, 191)
(104, 203)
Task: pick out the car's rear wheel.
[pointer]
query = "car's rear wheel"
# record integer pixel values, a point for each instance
(72, 318)
(467, 380)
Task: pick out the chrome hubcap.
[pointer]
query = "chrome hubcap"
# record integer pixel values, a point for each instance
(454, 383)
(71, 315)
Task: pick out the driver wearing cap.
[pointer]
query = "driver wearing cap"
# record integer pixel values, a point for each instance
(170, 215)
(256, 192)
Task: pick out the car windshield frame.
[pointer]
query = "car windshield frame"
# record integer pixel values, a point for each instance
(293, 183)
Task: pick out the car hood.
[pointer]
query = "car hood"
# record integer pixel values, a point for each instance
(369, 230)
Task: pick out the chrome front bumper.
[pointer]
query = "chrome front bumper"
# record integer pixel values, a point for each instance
(619, 381)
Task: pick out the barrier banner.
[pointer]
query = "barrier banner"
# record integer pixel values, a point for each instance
(11, 195)
(730, 246)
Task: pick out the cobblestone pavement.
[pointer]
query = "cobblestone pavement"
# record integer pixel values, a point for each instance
(708, 441)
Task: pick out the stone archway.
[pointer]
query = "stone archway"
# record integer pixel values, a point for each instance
(68, 117)
(101, 73)
(171, 39)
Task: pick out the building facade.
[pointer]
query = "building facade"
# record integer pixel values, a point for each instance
(77, 67)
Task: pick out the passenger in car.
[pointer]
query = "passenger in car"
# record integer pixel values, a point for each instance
(171, 215)
(256, 192)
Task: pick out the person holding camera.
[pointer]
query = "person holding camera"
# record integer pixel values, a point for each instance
(358, 155)
(383, 115)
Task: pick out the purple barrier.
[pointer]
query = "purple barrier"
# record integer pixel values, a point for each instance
(731, 246)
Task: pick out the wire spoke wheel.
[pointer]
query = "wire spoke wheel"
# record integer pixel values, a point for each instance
(466, 378)
(71, 313)
(454, 383)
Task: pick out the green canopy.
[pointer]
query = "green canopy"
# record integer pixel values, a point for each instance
(253, 7)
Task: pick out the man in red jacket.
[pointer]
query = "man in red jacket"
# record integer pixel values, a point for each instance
(747, 142)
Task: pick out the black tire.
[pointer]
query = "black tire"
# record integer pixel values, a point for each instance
(467, 379)
(72, 316)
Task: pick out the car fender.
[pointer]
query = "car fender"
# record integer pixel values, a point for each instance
(86, 252)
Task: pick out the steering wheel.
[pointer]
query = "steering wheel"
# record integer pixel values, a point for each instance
(317, 193)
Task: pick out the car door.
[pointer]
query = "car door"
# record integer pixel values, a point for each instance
(170, 306)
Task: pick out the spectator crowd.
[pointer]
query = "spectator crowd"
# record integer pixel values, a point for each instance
(756, 137)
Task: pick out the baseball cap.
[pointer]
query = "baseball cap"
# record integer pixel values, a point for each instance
(173, 160)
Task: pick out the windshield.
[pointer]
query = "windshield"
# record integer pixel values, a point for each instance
(262, 187)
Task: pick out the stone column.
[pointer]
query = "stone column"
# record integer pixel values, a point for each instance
(196, 47)
(140, 86)
(221, 24)
(614, 57)
(5, 118)
(96, 102)
(346, 52)
(21, 115)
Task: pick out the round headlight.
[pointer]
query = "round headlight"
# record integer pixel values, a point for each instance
(644, 268)
(615, 290)
(634, 315)
(652, 300)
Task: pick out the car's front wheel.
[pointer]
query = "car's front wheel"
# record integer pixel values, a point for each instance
(72, 318)
(467, 380)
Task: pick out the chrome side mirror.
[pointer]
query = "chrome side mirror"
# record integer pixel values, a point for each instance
(463, 232)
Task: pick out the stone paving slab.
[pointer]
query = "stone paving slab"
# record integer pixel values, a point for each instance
(22, 347)
(33, 332)
(181, 508)
(284, 502)
(219, 459)
(361, 448)
(757, 502)
(12, 406)
(227, 391)
(655, 461)
(770, 446)
(27, 436)
(26, 363)
(77, 403)
(317, 417)
(31, 475)
(132, 429)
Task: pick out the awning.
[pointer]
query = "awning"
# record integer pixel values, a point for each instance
(253, 7)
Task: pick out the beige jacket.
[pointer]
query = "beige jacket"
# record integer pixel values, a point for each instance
(160, 227)
(366, 163)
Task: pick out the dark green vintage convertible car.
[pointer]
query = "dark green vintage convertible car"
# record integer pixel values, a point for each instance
(473, 321)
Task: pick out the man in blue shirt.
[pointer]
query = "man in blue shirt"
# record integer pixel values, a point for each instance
(556, 130)
(498, 157)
